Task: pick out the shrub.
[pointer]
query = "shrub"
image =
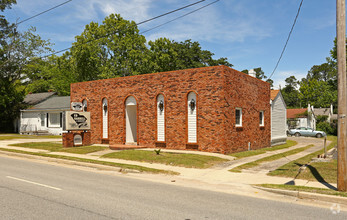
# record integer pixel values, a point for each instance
(326, 127)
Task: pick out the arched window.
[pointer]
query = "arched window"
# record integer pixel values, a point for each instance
(131, 120)
(192, 122)
(160, 118)
(104, 118)
(84, 105)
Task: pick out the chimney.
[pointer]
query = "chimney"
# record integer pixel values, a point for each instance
(252, 73)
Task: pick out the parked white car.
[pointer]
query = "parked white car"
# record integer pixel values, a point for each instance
(308, 132)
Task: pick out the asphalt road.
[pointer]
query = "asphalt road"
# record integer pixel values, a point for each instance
(30, 190)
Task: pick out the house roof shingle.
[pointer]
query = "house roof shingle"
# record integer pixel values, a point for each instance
(55, 102)
(295, 113)
(35, 98)
(321, 111)
(273, 94)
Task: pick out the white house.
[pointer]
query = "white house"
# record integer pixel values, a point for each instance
(46, 116)
(278, 118)
(301, 117)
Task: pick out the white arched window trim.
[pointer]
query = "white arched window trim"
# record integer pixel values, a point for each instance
(104, 118)
(192, 119)
(160, 118)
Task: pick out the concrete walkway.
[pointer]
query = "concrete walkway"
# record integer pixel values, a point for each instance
(218, 175)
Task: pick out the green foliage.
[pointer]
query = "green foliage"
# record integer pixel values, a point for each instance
(157, 151)
(317, 93)
(168, 55)
(318, 88)
(260, 74)
(290, 93)
(327, 127)
(16, 51)
(321, 118)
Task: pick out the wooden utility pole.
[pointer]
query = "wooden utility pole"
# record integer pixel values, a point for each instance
(342, 102)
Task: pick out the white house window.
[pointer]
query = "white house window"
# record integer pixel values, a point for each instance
(261, 118)
(54, 120)
(238, 117)
(84, 105)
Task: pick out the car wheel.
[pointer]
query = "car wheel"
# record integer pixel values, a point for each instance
(318, 135)
(297, 134)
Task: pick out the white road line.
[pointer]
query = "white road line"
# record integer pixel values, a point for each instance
(39, 184)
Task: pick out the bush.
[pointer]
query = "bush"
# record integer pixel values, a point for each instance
(326, 127)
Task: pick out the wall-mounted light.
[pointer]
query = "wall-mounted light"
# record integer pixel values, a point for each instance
(192, 104)
(161, 105)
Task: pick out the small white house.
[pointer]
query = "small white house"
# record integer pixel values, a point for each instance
(301, 117)
(278, 118)
(46, 117)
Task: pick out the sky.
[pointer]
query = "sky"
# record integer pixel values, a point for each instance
(250, 33)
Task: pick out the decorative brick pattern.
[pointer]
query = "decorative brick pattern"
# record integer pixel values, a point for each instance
(219, 90)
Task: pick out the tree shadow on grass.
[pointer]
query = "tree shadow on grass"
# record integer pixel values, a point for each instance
(316, 175)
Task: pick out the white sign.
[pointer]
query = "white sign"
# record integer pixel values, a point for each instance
(77, 120)
(76, 106)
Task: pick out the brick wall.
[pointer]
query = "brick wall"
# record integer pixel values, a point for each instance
(219, 89)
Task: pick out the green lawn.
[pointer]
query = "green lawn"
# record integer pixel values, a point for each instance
(318, 171)
(57, 147)
(305, 189)
(263, 150)
(174, 159)
(269, 158)
(120, 165)
(17, 136)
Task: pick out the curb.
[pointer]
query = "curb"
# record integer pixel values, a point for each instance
(70, 162)
(306, 195)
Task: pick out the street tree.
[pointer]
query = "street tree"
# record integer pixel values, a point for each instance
(16, 51)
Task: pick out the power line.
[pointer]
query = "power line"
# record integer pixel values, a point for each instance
(284, 48)
(34, 16)
(136, 24)
(179, 17)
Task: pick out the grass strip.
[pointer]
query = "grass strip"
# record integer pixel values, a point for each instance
(305, 189)
(243, 154)
(11, 137)
(174, 159)
(112, 164)
(317, 171)
(58, 147)
(249, 165)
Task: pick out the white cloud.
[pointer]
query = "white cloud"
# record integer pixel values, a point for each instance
(279, 77)
(210, 24)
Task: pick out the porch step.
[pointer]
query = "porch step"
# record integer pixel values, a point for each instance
(125, 147)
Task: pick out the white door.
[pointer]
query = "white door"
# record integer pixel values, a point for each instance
(131, 120)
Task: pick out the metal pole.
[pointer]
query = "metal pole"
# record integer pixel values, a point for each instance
(325, 147)
(342, 103)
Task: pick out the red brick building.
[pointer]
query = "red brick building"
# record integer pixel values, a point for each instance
(215, 109)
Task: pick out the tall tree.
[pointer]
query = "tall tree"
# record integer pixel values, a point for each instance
(290, 92)
(114, 48)
(16, 51)
(166, 55)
